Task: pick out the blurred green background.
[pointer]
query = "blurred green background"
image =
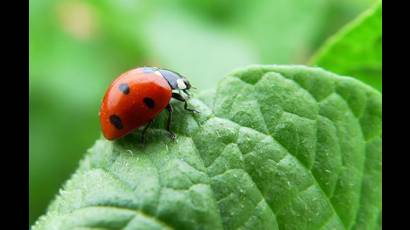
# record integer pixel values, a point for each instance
(78, 47)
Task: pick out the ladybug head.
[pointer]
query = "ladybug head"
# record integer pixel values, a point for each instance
(183, 84)
(175, 80)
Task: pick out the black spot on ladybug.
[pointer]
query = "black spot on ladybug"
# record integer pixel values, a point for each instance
(124, 88)
(116, 121)
(149, 102)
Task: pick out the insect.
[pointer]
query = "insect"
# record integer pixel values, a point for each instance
(137, 96)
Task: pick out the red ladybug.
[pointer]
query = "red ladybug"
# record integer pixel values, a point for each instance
(136, 97)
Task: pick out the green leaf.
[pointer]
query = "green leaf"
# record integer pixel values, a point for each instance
(357, 49)
(275, 147)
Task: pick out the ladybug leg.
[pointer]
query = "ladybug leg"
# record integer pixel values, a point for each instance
(144, 130)
(170, 110)
(187, 93)
(181, 98)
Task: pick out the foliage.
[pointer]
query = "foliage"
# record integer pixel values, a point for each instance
(78, 47)
(298, 146)
(357, 49)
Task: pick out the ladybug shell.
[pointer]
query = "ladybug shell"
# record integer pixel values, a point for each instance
(132, 100)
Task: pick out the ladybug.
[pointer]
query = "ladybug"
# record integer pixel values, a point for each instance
(137, 96)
